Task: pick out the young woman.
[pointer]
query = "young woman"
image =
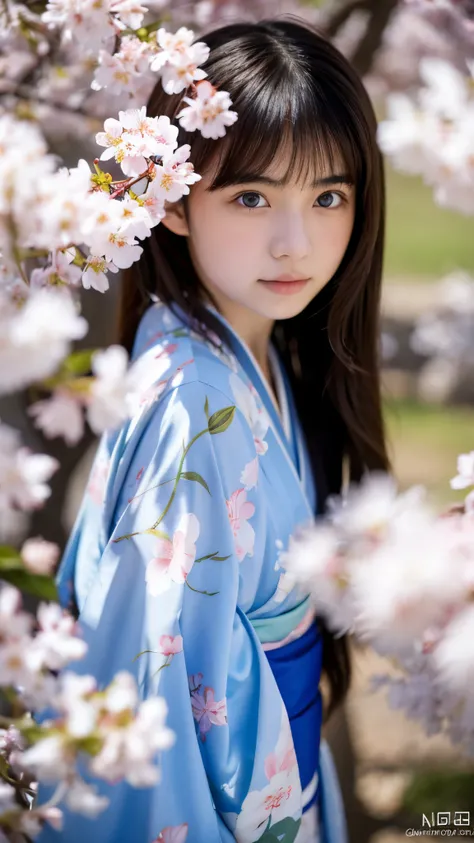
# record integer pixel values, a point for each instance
(255, 310)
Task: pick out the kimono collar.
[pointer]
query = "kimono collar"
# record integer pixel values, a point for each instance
(285, 426)
(282, 424)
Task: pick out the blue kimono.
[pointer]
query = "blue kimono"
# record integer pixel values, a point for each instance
(175, 555)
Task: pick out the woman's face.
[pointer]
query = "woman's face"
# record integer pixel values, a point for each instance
(241, 235)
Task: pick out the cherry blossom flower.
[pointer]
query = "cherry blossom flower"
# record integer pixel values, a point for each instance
(36, 338)
(82, 798)
(10, 739)
(40, 556)
(57, 642)
(103, 219)
(128, 751)
(23, 475)
(86, 21)
(173, 176)
(121, 693)
(178, 59)
(433, 136)
(60, 207)
(134, 218)
(156, 134)
(106, 233)
(88, 230)
(154, 204)
(397, 595)
(367, 510)
(51, 759)
(60, 271)
(174, 559)
(122, 71)
(130, 13)
(465, 475)
(76, 700)
(14, 664)
(32, 821)
(94, 273)
(444, 93)
(208, 112)
(22, 147)
(14, 624)
(239, 510)
(127, 739)
(122, 250)
(13, 289)
(60, 415)
(453, 655)
(134, 137)
(107, 403)
(314, 557)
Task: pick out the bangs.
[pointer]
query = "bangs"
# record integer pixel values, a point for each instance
(277, 119)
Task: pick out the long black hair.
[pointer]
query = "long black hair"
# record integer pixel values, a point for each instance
(284, 76)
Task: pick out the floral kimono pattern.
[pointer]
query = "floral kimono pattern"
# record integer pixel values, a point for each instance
(174, 552)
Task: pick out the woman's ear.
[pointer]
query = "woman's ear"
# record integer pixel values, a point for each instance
(175, 218)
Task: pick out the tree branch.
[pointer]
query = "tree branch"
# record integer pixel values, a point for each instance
(341, 15)
(380, 14)
(379, 11)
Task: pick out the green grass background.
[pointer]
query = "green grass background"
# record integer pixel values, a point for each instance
(423, 243)
(423, 239)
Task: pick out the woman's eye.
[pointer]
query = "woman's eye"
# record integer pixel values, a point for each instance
(254, 196)
(250, 199)
(327, 196)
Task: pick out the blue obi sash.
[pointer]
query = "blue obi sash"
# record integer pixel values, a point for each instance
(297, 670)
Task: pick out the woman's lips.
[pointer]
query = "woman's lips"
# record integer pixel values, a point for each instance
(286, 288)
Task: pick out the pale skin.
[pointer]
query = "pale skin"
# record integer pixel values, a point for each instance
(250, 231)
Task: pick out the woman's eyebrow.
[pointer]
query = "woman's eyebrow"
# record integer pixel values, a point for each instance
(342, 178)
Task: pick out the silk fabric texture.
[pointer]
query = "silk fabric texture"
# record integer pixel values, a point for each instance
(212, 477)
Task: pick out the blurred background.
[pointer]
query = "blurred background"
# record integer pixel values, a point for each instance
(390, 772)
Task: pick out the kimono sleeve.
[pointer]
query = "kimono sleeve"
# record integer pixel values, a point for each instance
(188, 538)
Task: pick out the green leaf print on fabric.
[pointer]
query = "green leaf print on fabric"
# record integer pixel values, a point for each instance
(217, 423)
(193, 475)
(284, 831)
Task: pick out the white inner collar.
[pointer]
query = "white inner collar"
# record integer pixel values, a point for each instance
(283, 409)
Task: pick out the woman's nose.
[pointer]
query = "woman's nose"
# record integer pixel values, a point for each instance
(290, 239)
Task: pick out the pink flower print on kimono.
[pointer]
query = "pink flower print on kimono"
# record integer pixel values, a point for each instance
(98, 480)
(239, 510)
(207, 711)
(249, 475)
(256, 416)
(169, 646)
(280, 800)
(174, 559)
(173, 834)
